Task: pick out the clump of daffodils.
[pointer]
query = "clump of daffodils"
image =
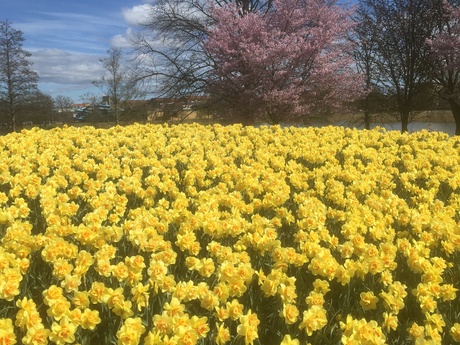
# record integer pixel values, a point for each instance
(192, 234)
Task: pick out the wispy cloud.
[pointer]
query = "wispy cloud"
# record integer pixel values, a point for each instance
(137, 15)
(71, 31)
(67, 39)
(61, 66)
(62, 72)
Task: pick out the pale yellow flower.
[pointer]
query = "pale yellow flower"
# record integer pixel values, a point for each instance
(200, 325)
(290, 313)
(90, 319)
(235, 309)
(97, 292)
(287, 340)
(455, 332)
(368, 300)
(416, 331)
(7, 335)
(314, 319)
(321, 286)
(36, 335)
(248, 327)
(27, 316)
(174, 307)
(390, 322)
(223, 334)
(63, 332)
(130, 332)
(59, 308)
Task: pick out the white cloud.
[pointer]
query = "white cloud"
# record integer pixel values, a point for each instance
(137, 15)
(120, 41)
(70, 31)
(123, 40)
(66, 46)
(62, 72)
(61, 66)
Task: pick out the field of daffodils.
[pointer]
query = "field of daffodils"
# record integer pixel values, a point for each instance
(191, 234)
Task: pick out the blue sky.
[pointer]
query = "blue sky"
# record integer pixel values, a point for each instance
(67, 38)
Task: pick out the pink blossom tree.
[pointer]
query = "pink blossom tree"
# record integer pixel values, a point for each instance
(286, 62)
(445, 49)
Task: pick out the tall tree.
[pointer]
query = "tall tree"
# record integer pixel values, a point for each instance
(169, 50)
(17, 80)
(169, 44)
(288, 62)
(117, 82)
(401, 56)
(363, 36)
(445, 51)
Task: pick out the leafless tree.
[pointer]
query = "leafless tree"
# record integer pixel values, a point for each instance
(169, 46)
(117, 83)
(400, 56)
(363, 35)
(445, 56)
(17, 80)
(90, 98)
(63, 104)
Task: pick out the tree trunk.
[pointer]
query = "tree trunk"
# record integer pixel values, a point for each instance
(13, 122)
(455, 108)
(246, 119)
(404, 121)
(367, 119)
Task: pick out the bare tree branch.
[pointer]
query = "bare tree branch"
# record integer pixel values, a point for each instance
(17, 80)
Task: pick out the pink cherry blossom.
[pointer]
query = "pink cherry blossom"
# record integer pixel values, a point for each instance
(288, 62)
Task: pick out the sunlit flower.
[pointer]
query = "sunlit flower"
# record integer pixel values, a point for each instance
(59, 308)
(9, 285)
(455, 332)
(287, 340)
(416, 331)
(97, 292)
(36, 335)
(130, 332)
(223, 334)
(63, 332)
(27, 316)
(174, 308)
(52, 294)
(200, 325)
(390, 322)
(235, 309)
(207, 267)
(248, 327)
(368, 300)
(7, 335)
(120, 271)
(314, 318)
(71, 283)
(80, 299)
(436, 320)
(361, 332)
(290, 313)
(448, 292)
(321, 286)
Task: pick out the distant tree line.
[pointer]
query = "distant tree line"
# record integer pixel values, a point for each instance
(22, 104)
(232, 51)
(271, 61)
